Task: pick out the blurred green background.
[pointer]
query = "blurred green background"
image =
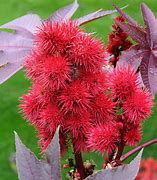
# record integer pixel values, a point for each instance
(10, 119)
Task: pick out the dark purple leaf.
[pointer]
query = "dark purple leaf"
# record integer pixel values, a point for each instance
(64, 13)
(141, 84)
(136, 33)
(93, 16)
(144, 71)
(125, 172)
(132, 57)
(147, 49)
(151, 25)
(126, 17)
(28, 166)
(53, 156)
(148, 71)
(28, 22)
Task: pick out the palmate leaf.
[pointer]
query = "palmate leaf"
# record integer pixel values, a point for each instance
(136, 34)
(67, 12)
(64, 13)
(30, 168)
(7, 68)
(132, 57)
(151, 25)
(93, 16)
(125, 172)
(23, 32)
(14, 47)
(28, 22)
(126, 17)
(14, 41)
(146, 37)
(5, 56)
(6, 71)
(149, 72)
(13, 50)
(54, 160)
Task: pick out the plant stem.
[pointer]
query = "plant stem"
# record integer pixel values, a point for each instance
(127, 155)
(79, 165)
(120, 150)
(121, 144)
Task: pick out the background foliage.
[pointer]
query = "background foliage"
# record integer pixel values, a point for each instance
(10, 91)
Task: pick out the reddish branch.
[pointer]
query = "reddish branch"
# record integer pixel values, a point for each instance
(79, 164)
(120, 150)
(127, 155)
(121, 144)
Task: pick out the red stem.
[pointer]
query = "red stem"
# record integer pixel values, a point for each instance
(120, 150)
(127, 155)
(121, 144)
(79, 165)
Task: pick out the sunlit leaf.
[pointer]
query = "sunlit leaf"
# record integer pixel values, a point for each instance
(64, 13)
(93, 16)
(11, 41)
(13, 50)
(29, 22)
(30, 168)
(6, 71)
(53, 156)
(12, 56)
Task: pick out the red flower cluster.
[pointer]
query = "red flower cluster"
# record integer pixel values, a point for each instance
(68, 84)
(148, 170)
(104, 138)
(133, 103)
(132, 106)
(71, 89)
(117, 41)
